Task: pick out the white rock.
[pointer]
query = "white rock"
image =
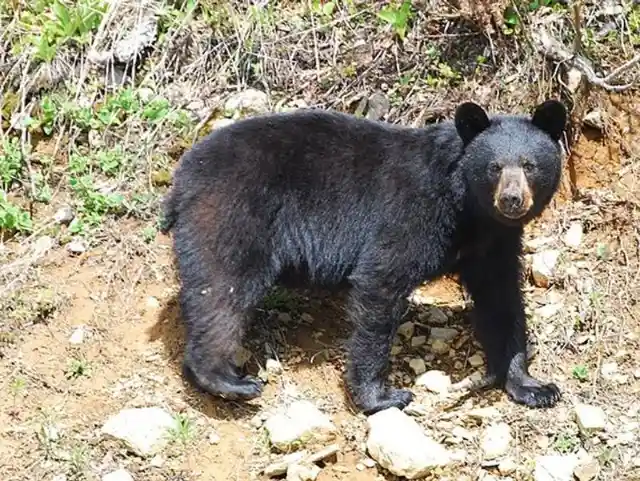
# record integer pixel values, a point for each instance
(64, 215)
(43, 245)
(119, 475)
(143, 430)
(302, 472)
(273, 367)
(548, 311)
(418, 341)
(555, 468)
(573, 236)
(496, 440)
(214, 437)
(439, 347)
(507, 466)
(299, 424)
(435, 381)
(77, 336)
(587, 470)
(437, 316)
(219, 123)
(417, 365)
(248, 100)
(476, 360)
(76, 246)
(280, 467)
(535, 244)
(153, 302)
(142, 36)
(594, 119)
(445, 334)
(590, 418)
(59, 477)
(398, 444)
(406, 330)
(543, 267)
(609, 369)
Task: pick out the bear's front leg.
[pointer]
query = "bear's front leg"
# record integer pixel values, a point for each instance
(493, 279)
(375, 313)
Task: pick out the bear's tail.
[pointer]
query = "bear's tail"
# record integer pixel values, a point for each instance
(170, 212)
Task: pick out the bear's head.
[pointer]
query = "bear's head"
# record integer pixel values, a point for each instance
(511, 164)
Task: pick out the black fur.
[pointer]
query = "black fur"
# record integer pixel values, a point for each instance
(383, 207)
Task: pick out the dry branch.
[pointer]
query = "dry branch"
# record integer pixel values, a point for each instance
(556, 51)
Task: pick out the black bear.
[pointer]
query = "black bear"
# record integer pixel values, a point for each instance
(382, 207)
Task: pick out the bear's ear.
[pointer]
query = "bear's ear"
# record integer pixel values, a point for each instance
(470, 120)
(551, 117)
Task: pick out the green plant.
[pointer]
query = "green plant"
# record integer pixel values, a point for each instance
(77, 367)
(324, 8)
(11, 161)
(16, 387)
(95, 204)
(566, 443)
(78, 459)
(13, 218)
(581, 373)
(53, 23)
(398, 17)
(183, 430)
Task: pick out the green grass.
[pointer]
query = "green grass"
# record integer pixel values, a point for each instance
(184, 431)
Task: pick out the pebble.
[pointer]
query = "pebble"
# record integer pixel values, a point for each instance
(280, 467)
(300, 423)
(76, 246)
(446, 334)
(496, 440)
(417, 365)
(251, 100)
(438, 346)
(119, 475)
(214, 438)
(573, 236)
(435, 381)
(555, 468)
(548, 311)
(143, 430)
(64, 215)
(43, 245)
(219, 123)
(476, 360)
(437, 316)
(587, 470)
(302, 472)
(273, 367)
(507, 466)
(590, 418)
(406, 330)
(77, 336)
(398, 444)
(543, 267)
(418, 341)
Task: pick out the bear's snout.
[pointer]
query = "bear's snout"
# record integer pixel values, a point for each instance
(512, 197)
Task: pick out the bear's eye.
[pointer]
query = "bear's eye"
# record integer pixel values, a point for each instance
(528, 167)
(494, 168)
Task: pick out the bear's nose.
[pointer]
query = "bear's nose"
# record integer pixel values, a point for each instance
(511, 201)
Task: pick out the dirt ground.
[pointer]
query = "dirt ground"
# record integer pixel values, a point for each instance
(119, 291)
(124, 295)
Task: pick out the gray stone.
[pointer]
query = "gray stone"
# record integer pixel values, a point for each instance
(543, 267)
(555, 468)
(496, 440)
(64, 215)
(590, 418)
(398, 444)
(587, 470)
(573, 236)
(76, 246)
(446, 334)
(119, 475)
(250, 100)
(406, 330)
(143, 430)
(300, 423)
(141, 36)
(435, 381)
(417, 365)
(302, 472)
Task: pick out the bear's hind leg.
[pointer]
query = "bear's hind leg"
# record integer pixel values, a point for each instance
(215, 325)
